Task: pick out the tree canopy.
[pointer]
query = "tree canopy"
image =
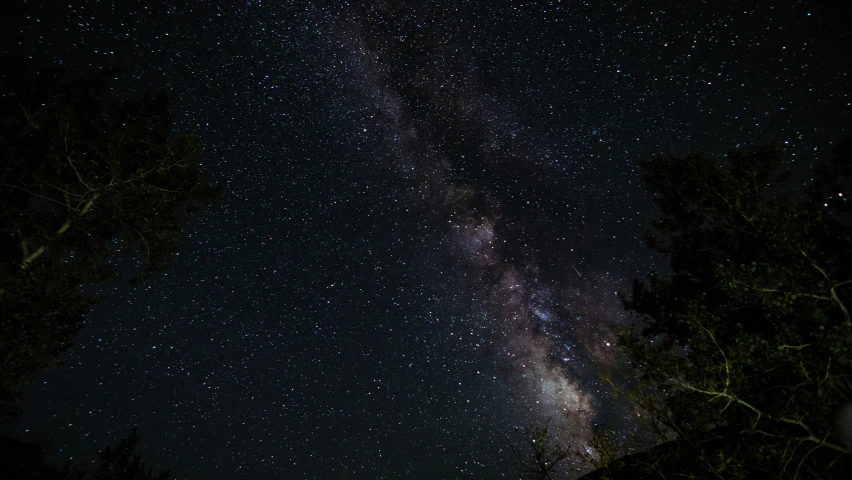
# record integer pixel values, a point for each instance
(82, 179)
(745, 350)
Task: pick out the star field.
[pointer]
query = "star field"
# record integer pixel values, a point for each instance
(430, 207)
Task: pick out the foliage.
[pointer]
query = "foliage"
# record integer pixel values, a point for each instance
(746, 349)
(81, 176)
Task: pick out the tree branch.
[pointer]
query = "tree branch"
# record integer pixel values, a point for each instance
(834, 296)
(68, 156)
(808, 454)
(57, 188)
(795, 347)
(811, 437)
(27, 115)
(24, 250)
(29, 259)
(31, 193)
(144, 174)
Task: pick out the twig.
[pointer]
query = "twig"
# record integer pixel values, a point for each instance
(57, 188)
(834, 296)
(165, 189)
(27, 115)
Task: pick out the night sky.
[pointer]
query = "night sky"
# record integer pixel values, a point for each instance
(429, 210)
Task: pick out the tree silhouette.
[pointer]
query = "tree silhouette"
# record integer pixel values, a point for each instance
(540, 454)
(120, 463)
(540, 460)
(746, 350)
(26, 461)
(82, 178)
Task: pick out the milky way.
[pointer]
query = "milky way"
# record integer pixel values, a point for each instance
(541, 330)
